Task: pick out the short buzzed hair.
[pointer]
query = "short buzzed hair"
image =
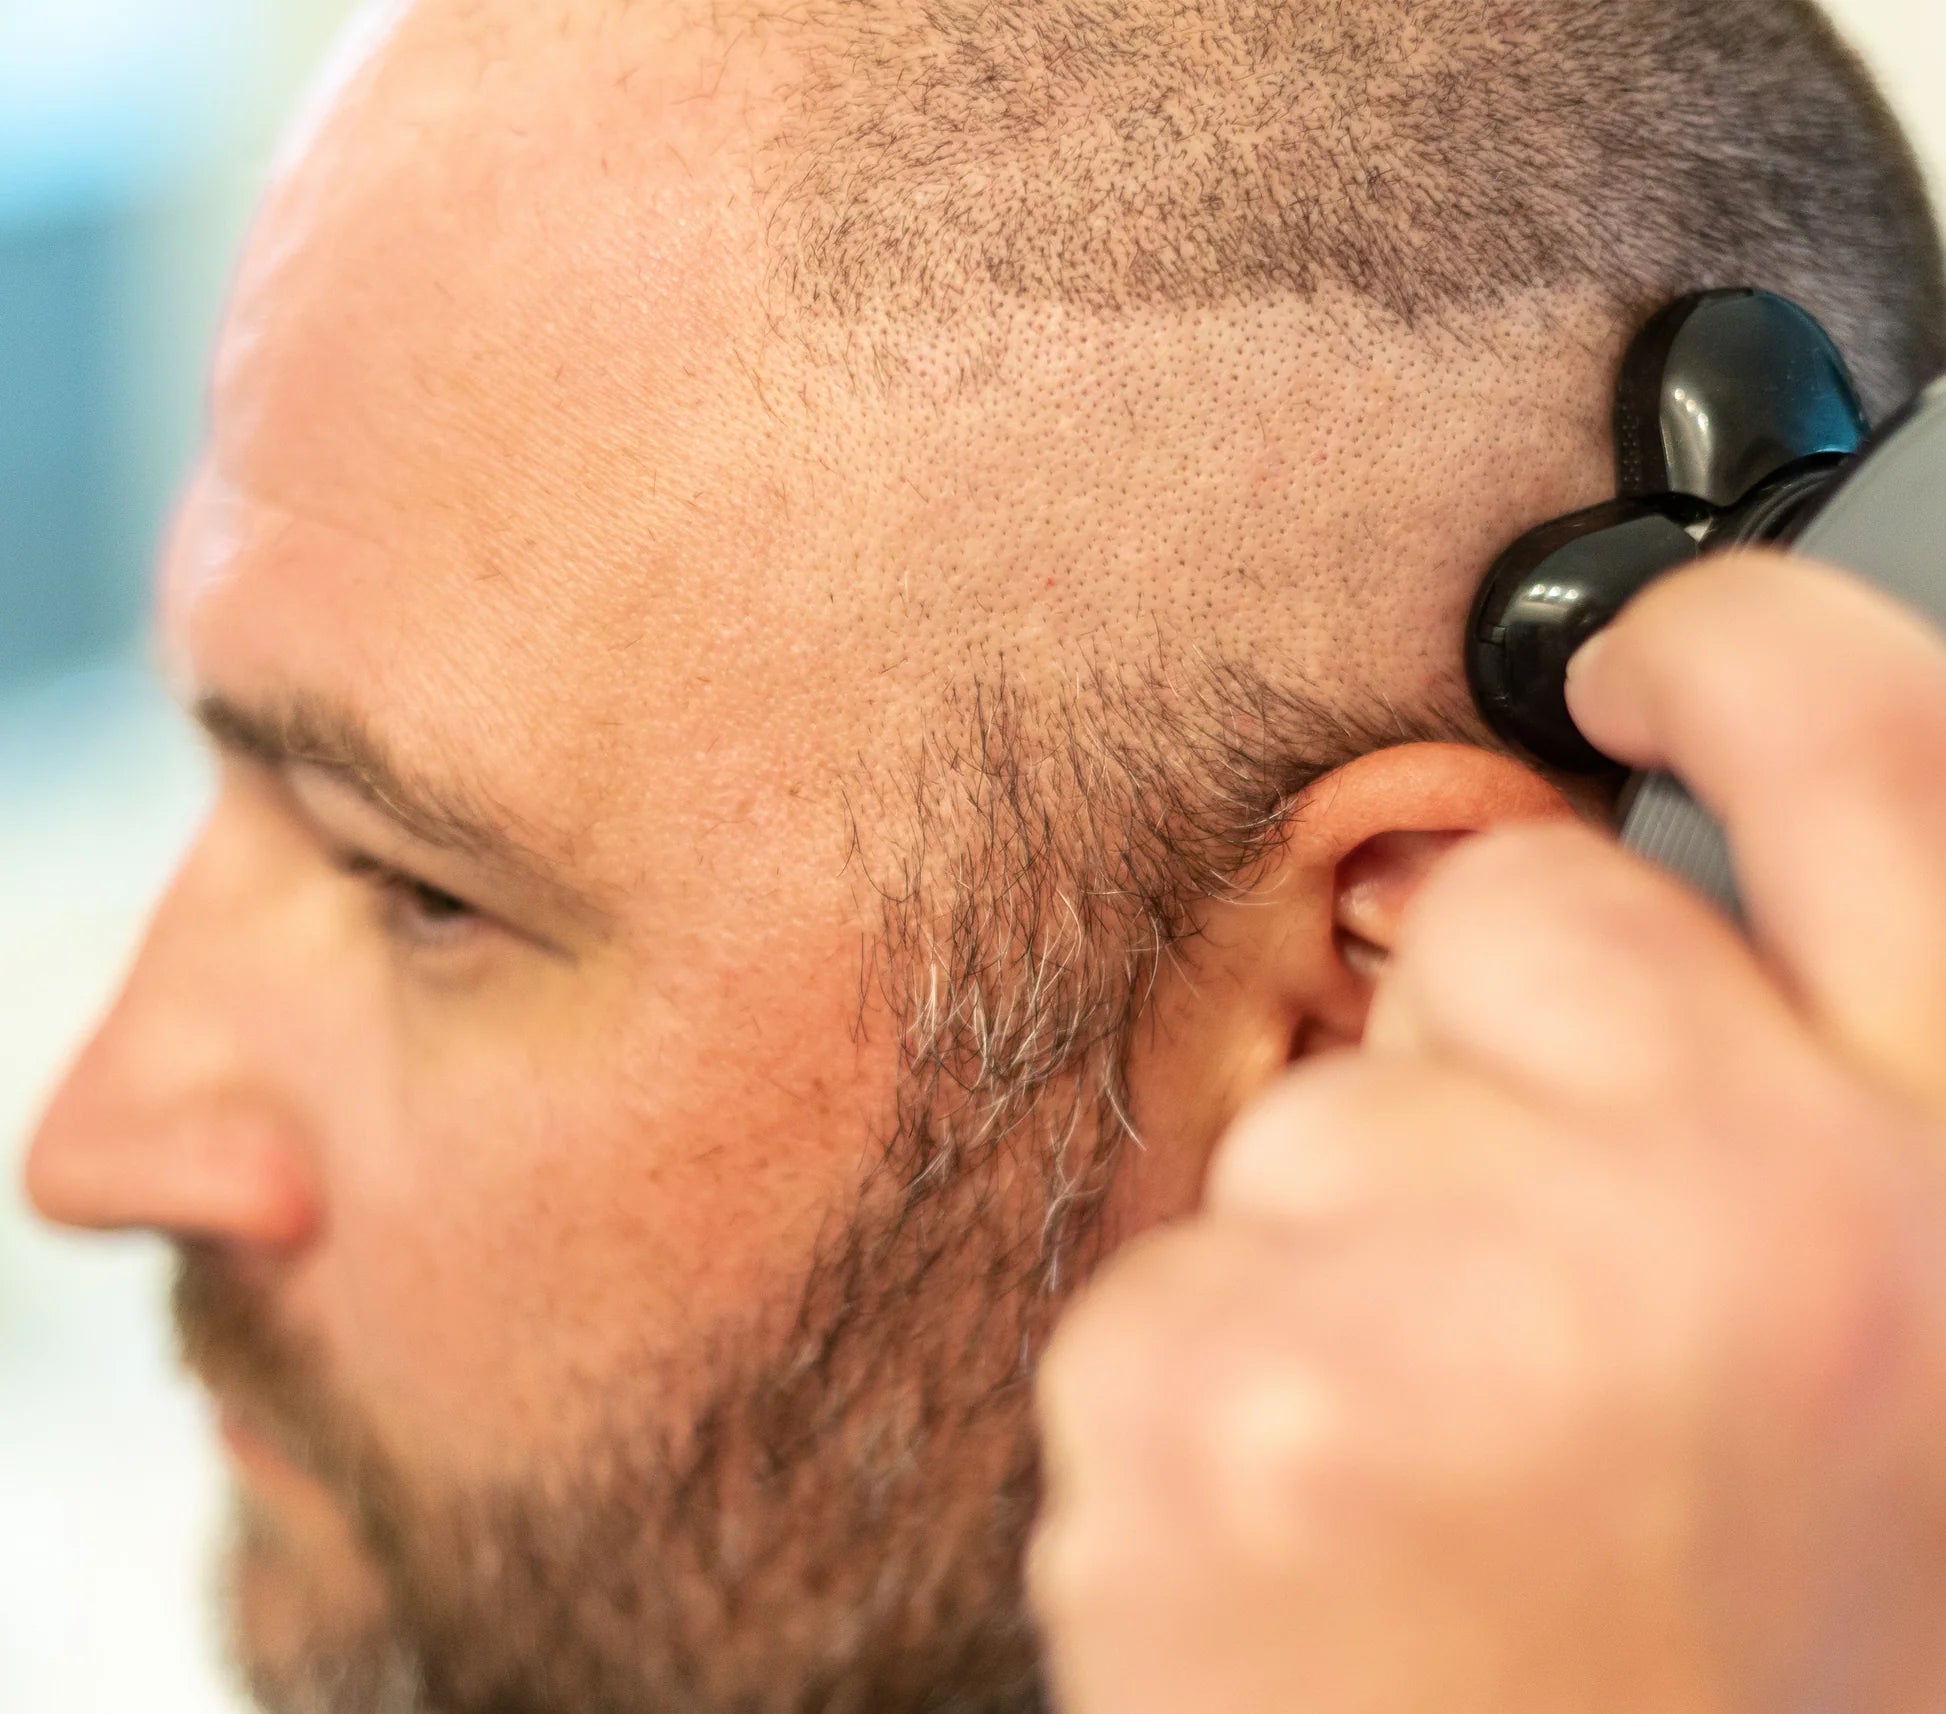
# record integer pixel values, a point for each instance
(1432, 156)
(933, 161)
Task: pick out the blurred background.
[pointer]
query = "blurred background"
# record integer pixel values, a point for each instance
(132, 137)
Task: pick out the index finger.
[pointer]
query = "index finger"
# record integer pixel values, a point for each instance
(1807, 711)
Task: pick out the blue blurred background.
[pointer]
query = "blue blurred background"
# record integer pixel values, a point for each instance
(132, 137)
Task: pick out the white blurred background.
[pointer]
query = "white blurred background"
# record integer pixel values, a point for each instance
(132, 134)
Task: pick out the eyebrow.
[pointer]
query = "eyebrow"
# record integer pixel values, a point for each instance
(309, 733)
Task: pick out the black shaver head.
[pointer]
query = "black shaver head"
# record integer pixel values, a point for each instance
(1733, 416)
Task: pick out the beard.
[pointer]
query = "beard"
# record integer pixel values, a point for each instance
(839, 1527)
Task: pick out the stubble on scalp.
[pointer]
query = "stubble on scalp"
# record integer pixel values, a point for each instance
(838, 1527)
(1433, 159)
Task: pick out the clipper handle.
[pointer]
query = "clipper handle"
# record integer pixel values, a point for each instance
(1886, 522)
(1662, 822)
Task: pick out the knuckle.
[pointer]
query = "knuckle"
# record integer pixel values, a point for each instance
(1521, 886)
(1700, 604)
(1187, 1397)
(1890, 742)
(1879, 669)
(1094, 1346)
(1506, 1359)
(1544, 941)
(1267, 1441)
(1110, 1378)
(1285, 1153)
(1068, 1568)
(1836, 1299)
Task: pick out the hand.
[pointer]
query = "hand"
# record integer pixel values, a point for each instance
(1579, 1343)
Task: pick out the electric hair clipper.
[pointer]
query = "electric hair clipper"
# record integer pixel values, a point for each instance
(1736, 421)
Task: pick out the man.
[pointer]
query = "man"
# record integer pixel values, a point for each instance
(833, 635)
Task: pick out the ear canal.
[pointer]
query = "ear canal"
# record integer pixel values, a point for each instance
(1376, 882)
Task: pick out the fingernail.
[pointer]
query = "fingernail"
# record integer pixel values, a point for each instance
(1616, 724)
(1585, 657)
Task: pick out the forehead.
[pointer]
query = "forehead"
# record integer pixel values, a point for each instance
(483, 463)
(491, 448)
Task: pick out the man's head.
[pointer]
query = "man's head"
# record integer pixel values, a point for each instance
(776, 589)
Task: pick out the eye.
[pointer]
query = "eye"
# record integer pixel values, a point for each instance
(413, 913)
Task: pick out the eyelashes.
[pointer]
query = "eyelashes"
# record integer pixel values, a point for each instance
(412, 913)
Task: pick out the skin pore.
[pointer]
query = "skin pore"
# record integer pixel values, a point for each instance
(621, 1254)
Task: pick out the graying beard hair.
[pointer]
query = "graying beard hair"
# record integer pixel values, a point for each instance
(1051, 855)
(379, 1676)
(867, 1467)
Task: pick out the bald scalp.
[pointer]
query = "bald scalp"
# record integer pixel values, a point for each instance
(1437, 158)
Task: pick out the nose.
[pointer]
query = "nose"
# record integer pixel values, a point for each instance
(167, 1121)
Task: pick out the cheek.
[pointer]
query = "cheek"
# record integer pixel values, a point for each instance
(591, 1210)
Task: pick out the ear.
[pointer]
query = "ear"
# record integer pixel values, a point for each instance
(1288, 967)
